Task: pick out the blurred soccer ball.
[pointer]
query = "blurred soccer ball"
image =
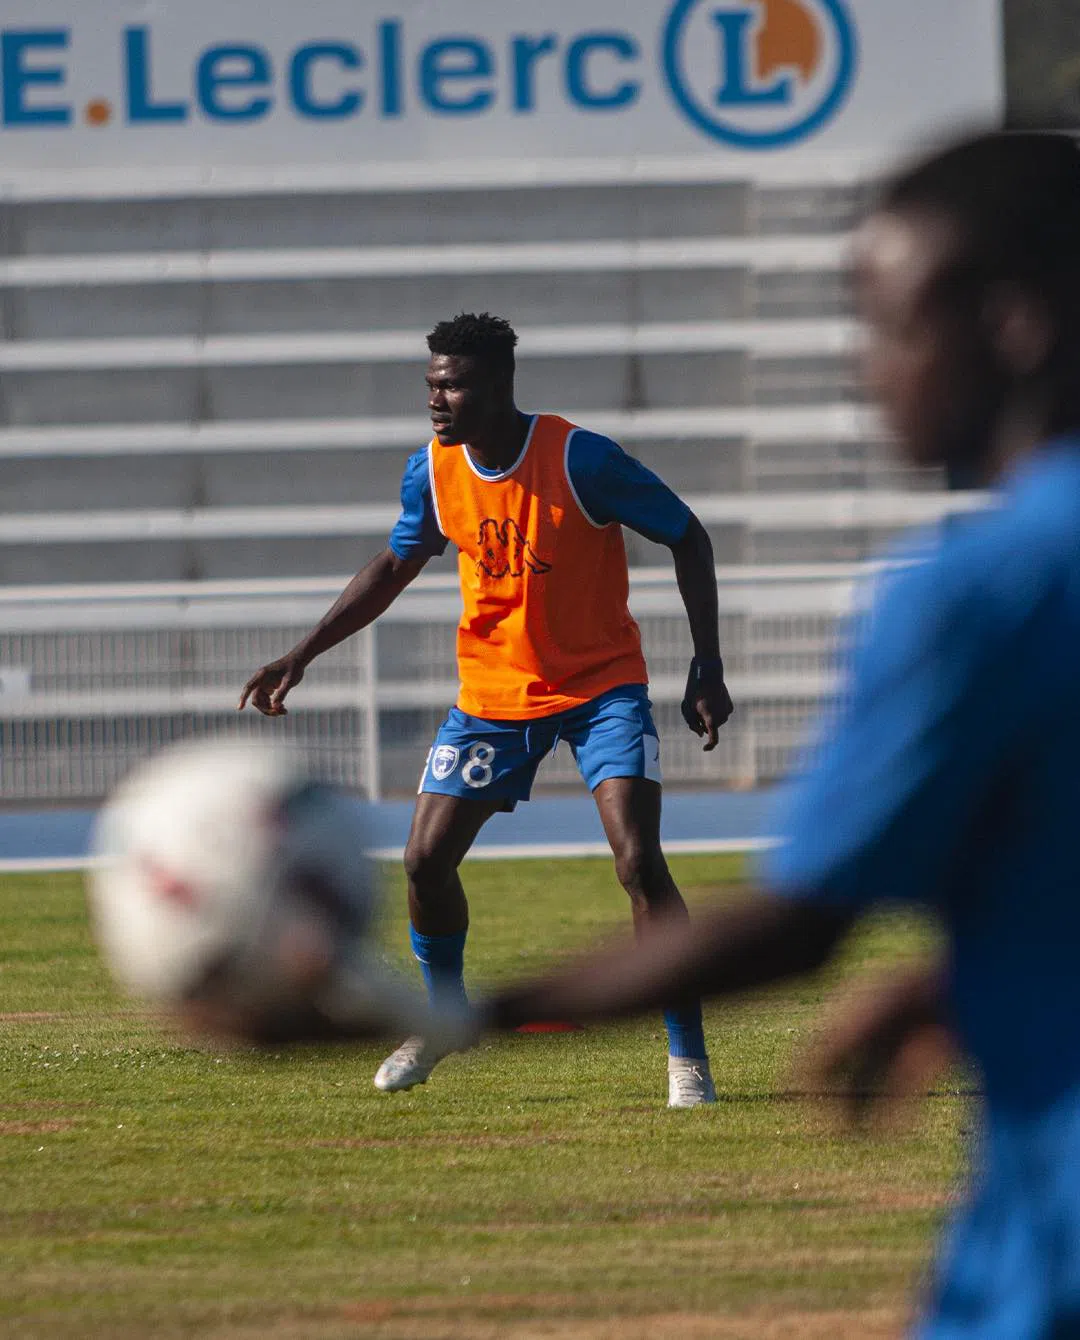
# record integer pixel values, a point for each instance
(210, 857)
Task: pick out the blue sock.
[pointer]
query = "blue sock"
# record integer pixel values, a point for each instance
(442, 961)
(686, 1036)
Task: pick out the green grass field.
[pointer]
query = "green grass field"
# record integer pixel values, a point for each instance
(536, 1187)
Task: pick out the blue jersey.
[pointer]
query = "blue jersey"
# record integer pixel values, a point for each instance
(952, 778)
(609, 484)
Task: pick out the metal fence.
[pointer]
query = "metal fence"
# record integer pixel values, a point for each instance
(94, 678)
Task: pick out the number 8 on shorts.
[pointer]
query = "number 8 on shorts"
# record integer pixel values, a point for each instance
(476, 770)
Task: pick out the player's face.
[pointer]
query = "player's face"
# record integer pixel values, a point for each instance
(927, 358)
(462, 399)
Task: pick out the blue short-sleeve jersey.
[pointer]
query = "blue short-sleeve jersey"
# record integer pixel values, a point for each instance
(610, 486)
(951, 775)
(416, 533)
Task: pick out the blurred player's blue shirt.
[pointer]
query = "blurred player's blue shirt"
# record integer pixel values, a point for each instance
(951, 775)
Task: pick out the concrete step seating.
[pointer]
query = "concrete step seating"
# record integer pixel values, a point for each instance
(777, 339)
(207, 378)
(760, 255)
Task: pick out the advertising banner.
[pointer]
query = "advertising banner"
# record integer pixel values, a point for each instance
(124, 84)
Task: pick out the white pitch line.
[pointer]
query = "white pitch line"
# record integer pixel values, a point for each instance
(519, 851)
(20, 865)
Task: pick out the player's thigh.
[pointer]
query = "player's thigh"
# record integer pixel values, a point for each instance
(615, 736)
(493, 762)
(442, 831)
(629, 809)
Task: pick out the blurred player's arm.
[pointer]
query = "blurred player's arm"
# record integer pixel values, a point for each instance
(727, 950)
(612, 486)
(415, 538)
(345, 993)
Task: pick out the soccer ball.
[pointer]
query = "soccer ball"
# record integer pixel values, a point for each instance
(209, 856)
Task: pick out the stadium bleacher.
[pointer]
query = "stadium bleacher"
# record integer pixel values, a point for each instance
(217, 384)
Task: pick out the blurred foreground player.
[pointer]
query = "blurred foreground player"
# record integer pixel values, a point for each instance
(547, 651)
(951, 776)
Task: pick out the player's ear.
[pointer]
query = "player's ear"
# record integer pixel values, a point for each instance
(1020, 328)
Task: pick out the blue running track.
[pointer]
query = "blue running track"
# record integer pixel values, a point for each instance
(548, 826)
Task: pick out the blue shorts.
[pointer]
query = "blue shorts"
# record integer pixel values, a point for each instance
(610, 736)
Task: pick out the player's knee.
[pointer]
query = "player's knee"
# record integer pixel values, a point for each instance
(426, 866)
(641, 869)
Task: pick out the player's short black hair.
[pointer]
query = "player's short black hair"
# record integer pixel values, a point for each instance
(1016, 199)
(489, 339)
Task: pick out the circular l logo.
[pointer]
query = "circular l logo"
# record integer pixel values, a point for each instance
(759, 74)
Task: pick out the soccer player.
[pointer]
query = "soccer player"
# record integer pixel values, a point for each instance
(951, 776)
(547, 651)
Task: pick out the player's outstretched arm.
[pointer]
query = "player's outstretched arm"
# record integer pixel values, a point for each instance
(706, 704)
(721, 952)
(344, 993)
(371, 591)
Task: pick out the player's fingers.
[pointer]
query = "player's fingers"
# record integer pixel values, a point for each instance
(248, 689)
(690, 716)
(846, 1054)
(919, 1061)
(260, 700)
(883, 1101)
(854, 1087)
(710, 720)
(283, 686)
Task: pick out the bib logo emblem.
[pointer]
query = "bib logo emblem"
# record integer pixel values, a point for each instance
(759, 74)
(505, 552)
(444, 760)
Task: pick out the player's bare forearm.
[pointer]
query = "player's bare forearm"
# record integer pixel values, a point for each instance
(370, 593)
(696, 575)
(707, 703)
(720, 953)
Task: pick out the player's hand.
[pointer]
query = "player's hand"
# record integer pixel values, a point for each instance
(266, 689)
(706, 705)
(881, 1043)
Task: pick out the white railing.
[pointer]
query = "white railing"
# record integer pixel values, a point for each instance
(93, 678)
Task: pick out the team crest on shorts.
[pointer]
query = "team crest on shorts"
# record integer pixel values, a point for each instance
(444, 760)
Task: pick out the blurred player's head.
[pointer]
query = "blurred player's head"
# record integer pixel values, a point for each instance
(470, 376)
(968, 274)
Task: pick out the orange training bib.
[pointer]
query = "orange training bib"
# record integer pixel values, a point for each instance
(545, 624)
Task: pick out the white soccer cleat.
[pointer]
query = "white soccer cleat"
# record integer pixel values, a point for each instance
(410, 1065)
(689, 1082)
